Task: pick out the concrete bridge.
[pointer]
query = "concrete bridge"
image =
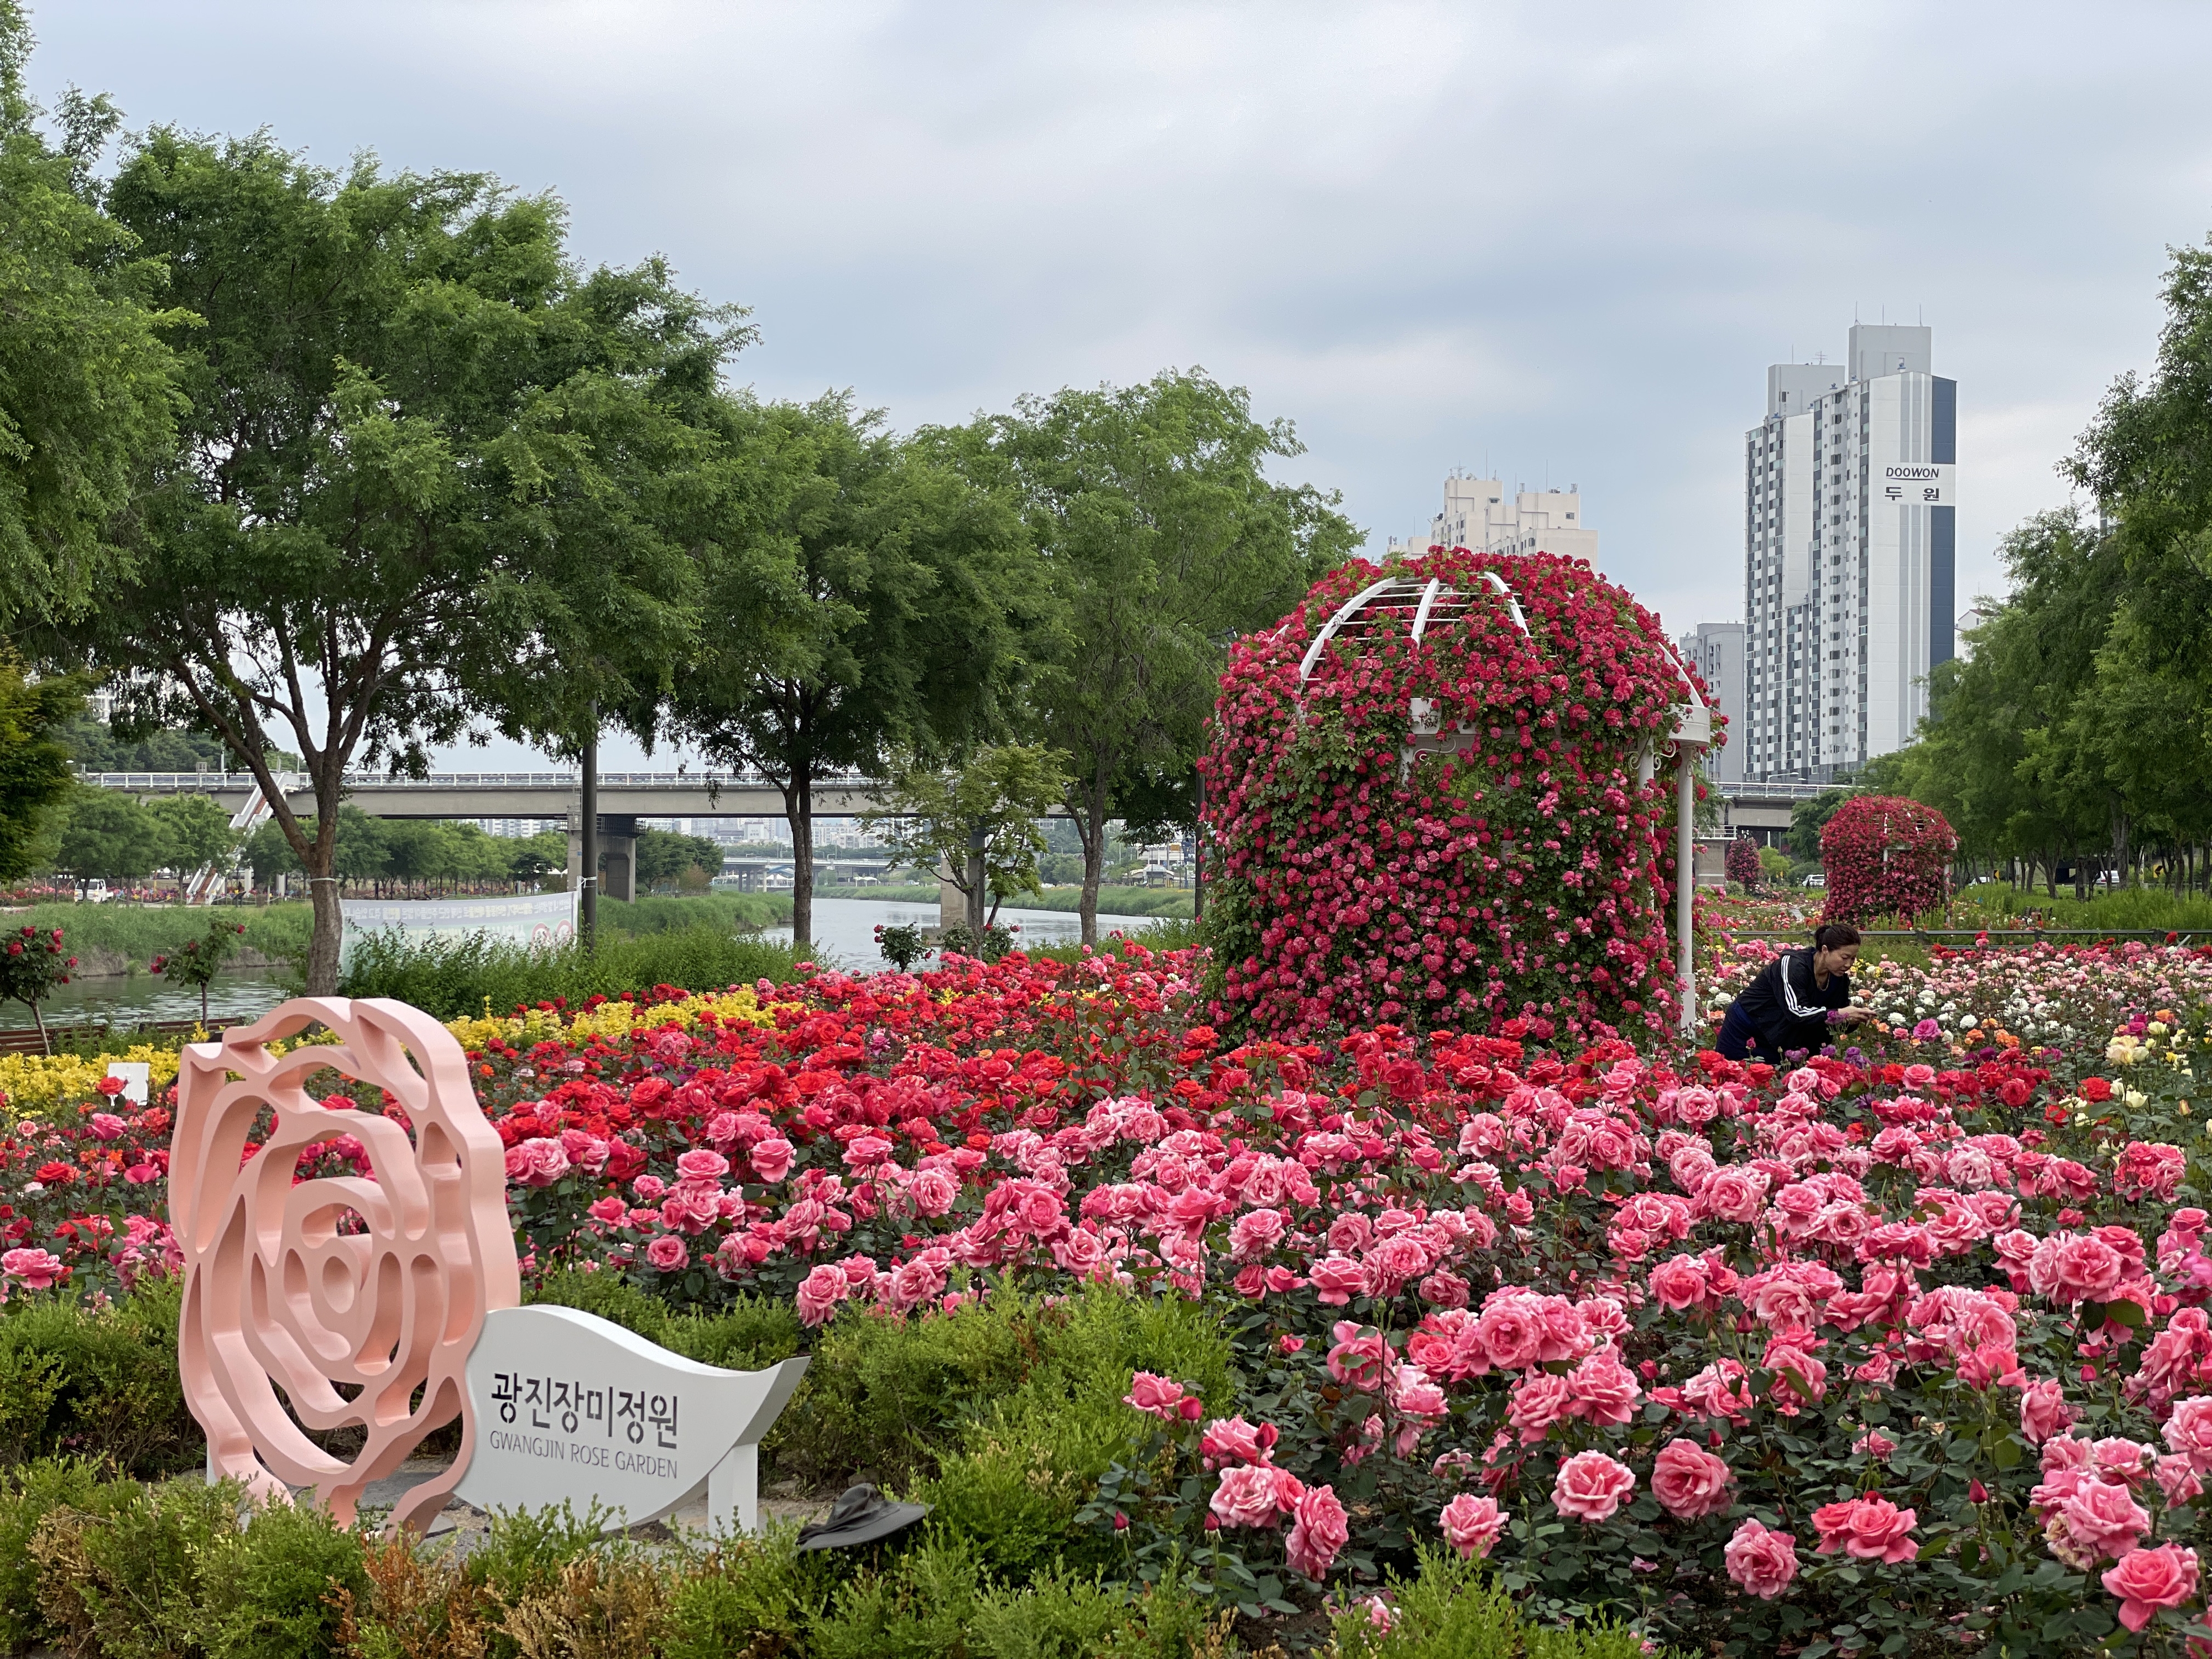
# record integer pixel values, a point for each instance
(1762, 810)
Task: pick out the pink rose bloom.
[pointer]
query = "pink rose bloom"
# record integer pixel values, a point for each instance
(2178, 1481)
(1471, 1525)
(1510, 1335)
(1869, 1526)
(1444, 1290)
(1680, 1282)
(2102, 1520)
(2085, 1269)
(1733, 1195)
(1156, 1395)
(1538, 1401)
(2043, 1411)
(771, 1158)
(1761, 1562)
(1338, 1278)
(2147, 1580)
(1318, 1531)
(648, 1189)
(1602, 1389)
(1232, 1440)
(1246, 1497)
(105, 1126)
(819, 1293)
(931, 1191)
(2189, 1430)
(140, 1175)
(609, 1212)
(38, 1269)
(703, 1165)
(1689, 1481)
(536, 1162)
(1591, 1486)
(1253, 1233)
(668, 1254)
(1358, 1360)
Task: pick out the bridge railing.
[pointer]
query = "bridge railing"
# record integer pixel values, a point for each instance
(298, 782)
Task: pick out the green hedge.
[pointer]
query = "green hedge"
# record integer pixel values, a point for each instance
(449, 978)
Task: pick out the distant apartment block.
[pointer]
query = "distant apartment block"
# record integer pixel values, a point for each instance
(1716, 650)
(1850, 555)
(1479, 515)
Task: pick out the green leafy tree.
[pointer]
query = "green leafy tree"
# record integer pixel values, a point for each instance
(32, 962)
(35, 765)
(978, 820)
(86, 394)
(863, 597)
(1164, 539)
(533, 858)
(360, 547)
(1809, 818)
(269, 853)
(663, 857)
(110, 836)
(197, 832)
(197, 962)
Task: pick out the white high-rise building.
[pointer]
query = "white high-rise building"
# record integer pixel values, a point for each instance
(1716, 651)
(1850, 555)
(1479, 515)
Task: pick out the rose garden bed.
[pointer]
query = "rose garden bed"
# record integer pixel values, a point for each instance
(1902, 1350)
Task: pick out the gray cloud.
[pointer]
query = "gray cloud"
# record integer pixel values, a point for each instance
(1566, 237)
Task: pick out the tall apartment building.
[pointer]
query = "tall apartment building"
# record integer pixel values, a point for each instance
(1850, 555)
(1479, 515)
(1716, 650)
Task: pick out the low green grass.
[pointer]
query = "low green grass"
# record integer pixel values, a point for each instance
(2133, 909)
(134, 934)
(448, 978)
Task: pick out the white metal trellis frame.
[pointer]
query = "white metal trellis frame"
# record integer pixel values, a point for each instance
(1692, 735)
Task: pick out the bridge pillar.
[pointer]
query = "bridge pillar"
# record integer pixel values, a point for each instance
(951, 903)
(618, 856)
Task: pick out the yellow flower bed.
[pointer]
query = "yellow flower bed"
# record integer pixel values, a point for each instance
(35, 1086)
(32, 1085)
(611, 1020)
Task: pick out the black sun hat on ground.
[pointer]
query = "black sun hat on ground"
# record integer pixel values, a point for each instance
(861, 1515)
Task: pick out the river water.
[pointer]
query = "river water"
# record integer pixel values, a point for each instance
(845, 929)
(844, 932)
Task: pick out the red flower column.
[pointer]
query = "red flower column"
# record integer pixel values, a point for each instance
(1458, 828)
(1886, 854)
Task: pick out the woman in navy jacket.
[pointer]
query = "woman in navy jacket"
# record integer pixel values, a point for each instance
(1788, 1007)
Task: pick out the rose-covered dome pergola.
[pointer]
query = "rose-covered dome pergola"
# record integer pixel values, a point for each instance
(1432, 798)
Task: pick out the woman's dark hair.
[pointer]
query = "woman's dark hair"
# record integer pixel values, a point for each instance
(1834, 935)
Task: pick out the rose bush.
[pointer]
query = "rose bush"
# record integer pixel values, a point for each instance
(1886, 855)
(1456, 830)
(1906, 1348)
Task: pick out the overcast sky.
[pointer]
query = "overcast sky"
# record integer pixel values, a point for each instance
(1564, 241)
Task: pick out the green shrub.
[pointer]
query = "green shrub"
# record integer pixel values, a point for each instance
(27, 1495)
(274, 1588)
(115, 1394)
(450, 977)
(748, 1333)
(1450, 1610)
(890, 1398)
(751, 1595)
(127, 1578)
(916, 1608)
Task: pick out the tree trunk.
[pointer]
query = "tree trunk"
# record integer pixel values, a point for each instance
(799, 813)
(1091, 831)
(978, 883)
